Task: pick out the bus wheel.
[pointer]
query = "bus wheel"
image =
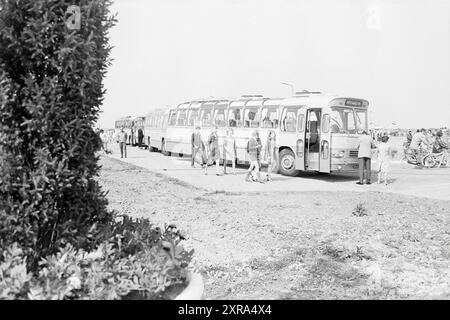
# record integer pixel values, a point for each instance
(429, 161)
(287, 163)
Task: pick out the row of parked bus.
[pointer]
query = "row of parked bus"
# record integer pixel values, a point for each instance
(315, 131)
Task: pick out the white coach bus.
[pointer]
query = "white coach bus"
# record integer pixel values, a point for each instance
(155, 129)
(315, 131)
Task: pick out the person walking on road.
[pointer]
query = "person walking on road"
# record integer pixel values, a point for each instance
(252, 150)
(384, 153)
(271, 154)
(365, 146)
(122, 138)
(258, 150)
(229, 151)
(214, 154)
(196, 144)
(105, 138)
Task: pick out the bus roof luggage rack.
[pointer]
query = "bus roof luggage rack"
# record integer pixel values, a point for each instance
(211, 98)
(252, 96)
(221, 98)
(303, 92)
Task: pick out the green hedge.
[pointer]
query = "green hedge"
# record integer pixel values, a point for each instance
(135, 260)
(50, 93)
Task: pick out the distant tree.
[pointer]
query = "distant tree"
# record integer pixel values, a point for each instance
(51, 90)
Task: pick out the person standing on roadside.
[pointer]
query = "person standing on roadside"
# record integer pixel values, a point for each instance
(214, 153)
(196, 144)
(384, 153)
(140, 137)
(105, 138)
(229, 151)
(252, 150)
(365, 146)
(271, 154)
(259, 150)
(122, 138)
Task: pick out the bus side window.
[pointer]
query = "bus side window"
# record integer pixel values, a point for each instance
(289, 121)
(251, 118)
(181, 119)
(269, 118)
(206, 117)
(193, 116)
(172, 118)
(234, 117)
(219, 117)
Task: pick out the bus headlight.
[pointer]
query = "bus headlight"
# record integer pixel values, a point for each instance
(300, 147)
(338, 154)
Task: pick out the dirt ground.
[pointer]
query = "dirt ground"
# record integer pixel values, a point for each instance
(296, 245)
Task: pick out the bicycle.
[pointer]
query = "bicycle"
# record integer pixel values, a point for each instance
(436, 160)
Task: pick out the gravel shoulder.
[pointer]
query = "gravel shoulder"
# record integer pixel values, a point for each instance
(296, 245)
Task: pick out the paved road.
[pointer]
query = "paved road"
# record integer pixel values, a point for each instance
(405, 179)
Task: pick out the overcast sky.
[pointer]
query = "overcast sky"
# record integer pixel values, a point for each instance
(394, 53)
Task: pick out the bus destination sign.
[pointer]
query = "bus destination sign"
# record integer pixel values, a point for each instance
(353, 103)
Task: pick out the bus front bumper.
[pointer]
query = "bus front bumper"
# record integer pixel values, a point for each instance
(344, 166)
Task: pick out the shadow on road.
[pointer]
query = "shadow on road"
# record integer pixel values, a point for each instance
(332, 177)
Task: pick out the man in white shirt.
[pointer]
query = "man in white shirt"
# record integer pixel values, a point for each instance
(122, 137)
(365, 146)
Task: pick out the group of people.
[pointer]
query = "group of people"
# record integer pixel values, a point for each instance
(209, 154)
(383, 153)
(105, 138)
(420, 142)
(423, 140)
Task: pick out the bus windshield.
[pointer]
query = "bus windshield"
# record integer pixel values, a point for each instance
(348, 120)
(361, 120)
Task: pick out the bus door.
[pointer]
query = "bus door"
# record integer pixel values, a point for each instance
(301, 146)
(312, 139)
(288, 139)
(325, 142)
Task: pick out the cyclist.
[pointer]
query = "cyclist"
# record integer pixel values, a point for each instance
(409, 136)
(439, 145)
(439, 150)
(419, 144)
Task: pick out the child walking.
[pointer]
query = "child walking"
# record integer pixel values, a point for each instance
(229, 151)
(252, 149)
(214, 155)
(384, 159)
(271, 154)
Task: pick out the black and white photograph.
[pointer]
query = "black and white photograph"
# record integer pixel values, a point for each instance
(246, 151)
